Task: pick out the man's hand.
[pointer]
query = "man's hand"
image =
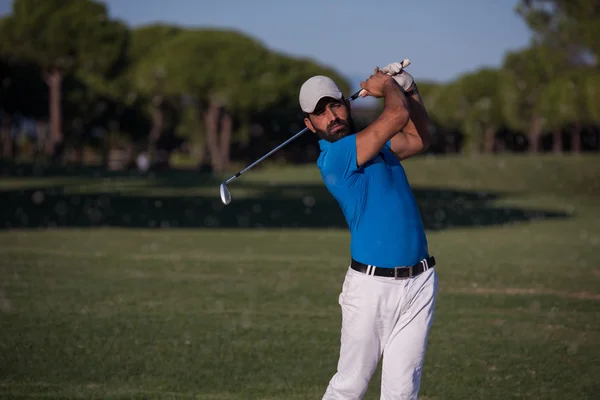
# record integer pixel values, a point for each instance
(376, 84)
(393, 68)
(404, 79)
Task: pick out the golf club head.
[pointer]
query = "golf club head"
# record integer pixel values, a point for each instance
(225, 195)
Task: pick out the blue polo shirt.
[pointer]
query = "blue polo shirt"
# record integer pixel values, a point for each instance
(376, 199)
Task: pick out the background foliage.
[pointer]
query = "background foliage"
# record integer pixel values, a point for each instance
(79, 87)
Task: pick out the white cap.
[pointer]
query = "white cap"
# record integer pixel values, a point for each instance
(314, 89)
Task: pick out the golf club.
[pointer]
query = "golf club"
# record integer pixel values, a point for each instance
(224, 190)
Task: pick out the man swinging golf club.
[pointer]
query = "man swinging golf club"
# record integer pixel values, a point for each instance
(389, 291)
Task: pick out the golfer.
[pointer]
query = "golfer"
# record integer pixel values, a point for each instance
(388, 294)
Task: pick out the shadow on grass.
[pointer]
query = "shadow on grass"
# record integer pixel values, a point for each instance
(262, 205)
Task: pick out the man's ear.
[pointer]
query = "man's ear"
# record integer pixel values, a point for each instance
(309, 124)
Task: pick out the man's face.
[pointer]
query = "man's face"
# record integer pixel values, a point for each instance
(330, 120)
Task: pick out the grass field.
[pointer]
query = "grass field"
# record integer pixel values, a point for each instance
(122, 286)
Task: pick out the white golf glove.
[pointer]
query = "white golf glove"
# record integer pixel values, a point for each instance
(404, 79)
(392, 68)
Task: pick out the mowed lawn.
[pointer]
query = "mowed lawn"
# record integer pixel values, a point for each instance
(122, 286)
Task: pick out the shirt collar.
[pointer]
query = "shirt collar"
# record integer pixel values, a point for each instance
(324, 144)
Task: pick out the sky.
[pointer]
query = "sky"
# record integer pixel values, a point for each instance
(443, 39)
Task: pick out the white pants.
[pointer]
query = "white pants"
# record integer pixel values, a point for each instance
(383, 316)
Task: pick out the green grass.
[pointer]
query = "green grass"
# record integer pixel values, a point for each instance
(240, 302)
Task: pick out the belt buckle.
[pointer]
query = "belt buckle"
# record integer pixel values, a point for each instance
(410, 272)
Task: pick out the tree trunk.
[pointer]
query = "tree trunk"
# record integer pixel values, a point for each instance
(7, 141)
(557, 142)
(157, 127)
(107, 143)
(489, 139)
(41, 129)
(451, 142)
(501, 145)
(54, 82)
(79, 143)
(225, 136)
(469, 146)
(198, 152)
(211, 120)
(535, 133)
(576, 138)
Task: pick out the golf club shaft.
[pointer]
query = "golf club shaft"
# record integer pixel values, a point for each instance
(353, 97)
(266, 155)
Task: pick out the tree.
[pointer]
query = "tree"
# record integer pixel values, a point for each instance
(89, 105)
(144, 39)
(590, 91)
(142, 81)
(22, 93)
(483, 110)
(561, 104)
(590, 88)
(228, 79)
(570, 30)
(206, 68)
(568, 26)
(60, 38)
(525, 74)
(447, 109)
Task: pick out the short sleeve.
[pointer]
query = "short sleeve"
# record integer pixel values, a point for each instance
(339, 165)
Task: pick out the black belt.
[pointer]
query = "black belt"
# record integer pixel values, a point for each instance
(396, 272)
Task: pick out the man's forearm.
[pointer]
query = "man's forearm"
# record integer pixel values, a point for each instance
(418, 113)
(395, 114)
(415, 95)
(414, 138)
(394, 117)
(395, 101)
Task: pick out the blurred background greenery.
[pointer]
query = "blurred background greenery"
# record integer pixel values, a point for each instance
(208, 97)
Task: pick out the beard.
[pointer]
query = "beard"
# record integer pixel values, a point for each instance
(337, 129)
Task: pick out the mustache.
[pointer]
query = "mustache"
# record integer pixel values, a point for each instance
(337, 122)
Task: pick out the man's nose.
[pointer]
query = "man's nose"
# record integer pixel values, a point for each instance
(331, 114)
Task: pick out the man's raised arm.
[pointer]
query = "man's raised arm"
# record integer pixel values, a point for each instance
(414, 138)
(393, 118)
